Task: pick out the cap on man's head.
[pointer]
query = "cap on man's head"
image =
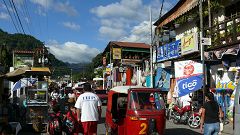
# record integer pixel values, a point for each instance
(87, 87)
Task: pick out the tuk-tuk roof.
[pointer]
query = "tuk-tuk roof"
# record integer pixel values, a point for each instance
(124, 89)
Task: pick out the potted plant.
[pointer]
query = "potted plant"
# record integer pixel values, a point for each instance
(190, 17)
(216, 5)
(178, 21)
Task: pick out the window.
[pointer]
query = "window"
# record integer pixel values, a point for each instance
(146, 100)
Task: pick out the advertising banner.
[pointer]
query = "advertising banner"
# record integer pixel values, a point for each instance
(168, 51)
(21, 60)
(184, 69)
(189, 76)
(189, 44)
(117, 53)
(189, 85)
(162, 79)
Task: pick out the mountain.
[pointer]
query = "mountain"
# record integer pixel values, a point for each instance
(10, 42)
(77, 67)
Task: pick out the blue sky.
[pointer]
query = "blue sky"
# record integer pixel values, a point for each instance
(77, 30)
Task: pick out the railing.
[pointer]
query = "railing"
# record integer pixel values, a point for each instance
(224, 33)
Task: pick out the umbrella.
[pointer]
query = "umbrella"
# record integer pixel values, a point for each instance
(17, 74)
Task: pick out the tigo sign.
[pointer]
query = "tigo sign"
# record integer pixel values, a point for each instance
(188, 85)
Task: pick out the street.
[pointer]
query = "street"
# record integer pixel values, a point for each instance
(171, 128)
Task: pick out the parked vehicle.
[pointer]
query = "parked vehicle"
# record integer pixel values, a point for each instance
(102, 94)
(135, 110)
(185, 115)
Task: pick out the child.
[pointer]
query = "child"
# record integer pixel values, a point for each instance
(54, 126)
(71, 123)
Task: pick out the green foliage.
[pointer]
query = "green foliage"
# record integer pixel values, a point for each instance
(10, 42)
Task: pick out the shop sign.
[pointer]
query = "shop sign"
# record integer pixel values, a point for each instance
(168, 51)
(189, 44)
(189, 85)
(184, 69)
(21, 60)
(162, 79)
(117, 53)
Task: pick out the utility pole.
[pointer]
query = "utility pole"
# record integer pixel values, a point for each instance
(151, 49)
(71, 79)
(202, 46)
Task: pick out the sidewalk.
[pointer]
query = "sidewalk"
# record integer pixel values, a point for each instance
(228, 129)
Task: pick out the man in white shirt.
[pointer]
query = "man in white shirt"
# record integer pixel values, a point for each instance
(88, 107)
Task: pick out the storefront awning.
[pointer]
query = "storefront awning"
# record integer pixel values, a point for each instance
(179, 9)
(17, 74)
(45, 71)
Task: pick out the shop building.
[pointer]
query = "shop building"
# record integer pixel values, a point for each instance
(126, 63)
(181, 25)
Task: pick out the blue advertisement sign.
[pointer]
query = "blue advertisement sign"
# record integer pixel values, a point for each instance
(189, 85)
(168, 51)
(162, 79)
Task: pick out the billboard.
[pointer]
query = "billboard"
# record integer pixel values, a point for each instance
(189, 44)
(21, 60)
(189, 77)
(168, 51)
(162, 79)
(187, 68)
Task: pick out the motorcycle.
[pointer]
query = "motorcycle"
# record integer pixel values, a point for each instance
(186, 115)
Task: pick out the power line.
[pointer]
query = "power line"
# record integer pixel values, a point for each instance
(25, 15)
(27, 11)
(160, 15)
(11, 16)
(18, 16)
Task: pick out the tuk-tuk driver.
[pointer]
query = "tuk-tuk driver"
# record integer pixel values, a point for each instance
(152, 105)
(88, 107)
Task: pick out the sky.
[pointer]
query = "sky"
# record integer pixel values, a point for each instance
(75, 31)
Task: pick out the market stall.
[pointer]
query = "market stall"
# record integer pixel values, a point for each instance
(223, 97)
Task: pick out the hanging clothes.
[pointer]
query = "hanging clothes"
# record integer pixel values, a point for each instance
(129, 73)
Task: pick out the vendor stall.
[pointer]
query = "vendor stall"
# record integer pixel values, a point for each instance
(223, 97)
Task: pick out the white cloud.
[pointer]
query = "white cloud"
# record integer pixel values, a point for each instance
(118, 18)
(4, 16)
(56, 5)
(72, 52)
(65, 8)
(140, 33)
(115, 33)
(71, 25)
(43, 3)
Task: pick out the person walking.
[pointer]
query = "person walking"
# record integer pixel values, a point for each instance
(88, 107)
(210, 116)
(72, 126)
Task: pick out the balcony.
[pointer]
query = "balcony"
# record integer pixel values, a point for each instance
(224, 33)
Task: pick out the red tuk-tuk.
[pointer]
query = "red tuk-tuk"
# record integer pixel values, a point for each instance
(134, 110)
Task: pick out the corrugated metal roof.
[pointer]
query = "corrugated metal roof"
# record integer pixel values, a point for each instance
(130, 44)
(126, 45)
(179, 9)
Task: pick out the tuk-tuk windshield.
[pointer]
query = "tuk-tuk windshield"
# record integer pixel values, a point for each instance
(146, 101)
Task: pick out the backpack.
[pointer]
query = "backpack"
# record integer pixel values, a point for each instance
(55, 124)
(69, 124)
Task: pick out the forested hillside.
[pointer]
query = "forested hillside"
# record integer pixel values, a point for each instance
(10, 42)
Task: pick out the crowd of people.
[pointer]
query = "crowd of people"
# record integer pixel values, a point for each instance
(74, 112)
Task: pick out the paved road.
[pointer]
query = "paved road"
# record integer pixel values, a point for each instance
(171, 129)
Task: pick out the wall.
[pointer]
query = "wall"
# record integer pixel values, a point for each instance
(185, 29)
